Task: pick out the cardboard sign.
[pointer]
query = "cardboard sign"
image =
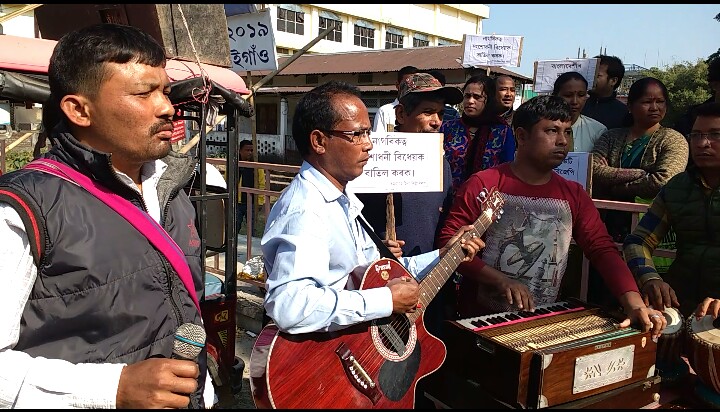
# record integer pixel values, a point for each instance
(547, 71)
(252, 43)
(577, 167)
(402, 162)
(491, 50)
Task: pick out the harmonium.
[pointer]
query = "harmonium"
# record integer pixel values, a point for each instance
(562, 352)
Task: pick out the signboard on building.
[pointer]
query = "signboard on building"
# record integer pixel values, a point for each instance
(402, 162)
(577, 167)
(491, 50)
(252, 43)
(547, 71)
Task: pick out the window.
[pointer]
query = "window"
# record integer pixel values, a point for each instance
(291, 21)
(420, 40)
(336, 34)
(444, 42)
(282, 50)
(393, 38)
(364, 34)
(266, 118)
(420, 43)
(311, 79)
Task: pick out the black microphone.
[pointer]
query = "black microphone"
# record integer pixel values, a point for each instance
(189, 342)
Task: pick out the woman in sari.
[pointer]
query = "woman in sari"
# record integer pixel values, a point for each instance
(632, 163)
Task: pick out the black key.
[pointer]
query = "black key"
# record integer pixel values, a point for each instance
(512, 316)
(478, 323)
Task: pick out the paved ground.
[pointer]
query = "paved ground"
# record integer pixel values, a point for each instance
(249, 318)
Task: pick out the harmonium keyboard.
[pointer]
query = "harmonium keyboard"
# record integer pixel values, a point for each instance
(560, 353)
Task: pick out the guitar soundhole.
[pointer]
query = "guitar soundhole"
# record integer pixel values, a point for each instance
(394, 337)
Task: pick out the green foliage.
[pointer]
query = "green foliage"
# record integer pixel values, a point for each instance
(17, 159)
(687, 85)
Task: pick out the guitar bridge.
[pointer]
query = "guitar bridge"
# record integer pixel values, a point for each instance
(357, 374)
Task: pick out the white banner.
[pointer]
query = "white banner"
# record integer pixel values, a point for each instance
(252, 43)
(491, 50)
(402, 162)
(547, 71)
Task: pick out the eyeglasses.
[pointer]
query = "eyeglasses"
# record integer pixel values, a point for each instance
(712, 136)
(353, 136)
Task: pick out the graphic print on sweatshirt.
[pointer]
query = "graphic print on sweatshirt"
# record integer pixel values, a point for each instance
(530, 244)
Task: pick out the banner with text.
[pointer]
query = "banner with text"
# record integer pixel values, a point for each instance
(577, 167)
(491, 50)
(252, 43)
(402, 162)
(547, 71)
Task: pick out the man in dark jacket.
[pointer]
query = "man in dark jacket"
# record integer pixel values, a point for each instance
(689, 204)
(603, 105)
(91, 306)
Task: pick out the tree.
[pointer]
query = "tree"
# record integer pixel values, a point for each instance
(687, 85)
(717, 53)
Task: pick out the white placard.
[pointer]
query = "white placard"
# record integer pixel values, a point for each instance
(577, 168)
(547, 71)
(491, 50)
(252, 43)
(402, 162)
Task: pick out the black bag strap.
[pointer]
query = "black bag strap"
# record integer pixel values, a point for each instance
(384, 251)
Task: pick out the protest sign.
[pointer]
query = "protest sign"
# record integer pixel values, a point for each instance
(547, 71)
(491, 50)
(252, 44)
(402, 162)
(577, 167)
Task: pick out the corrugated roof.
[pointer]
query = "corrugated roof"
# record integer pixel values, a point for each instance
(305, 89)
(390, 60)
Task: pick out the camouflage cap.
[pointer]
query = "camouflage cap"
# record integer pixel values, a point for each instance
(424, 83)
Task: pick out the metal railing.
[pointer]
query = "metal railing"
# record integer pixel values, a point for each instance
(274, 184)
(278, 176)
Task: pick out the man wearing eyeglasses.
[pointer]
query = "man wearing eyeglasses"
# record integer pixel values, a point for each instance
(313, 236)
(689, 203)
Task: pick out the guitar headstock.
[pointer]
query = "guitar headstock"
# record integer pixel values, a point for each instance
(491, 201)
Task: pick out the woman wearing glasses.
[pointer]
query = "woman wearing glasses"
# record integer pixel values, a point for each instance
(480, 138)
(633, 163)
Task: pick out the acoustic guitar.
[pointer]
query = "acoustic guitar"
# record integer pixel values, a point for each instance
(371, 365)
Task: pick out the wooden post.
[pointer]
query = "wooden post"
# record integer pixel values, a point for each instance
(2, 155)
(390, 218)
(253, 199)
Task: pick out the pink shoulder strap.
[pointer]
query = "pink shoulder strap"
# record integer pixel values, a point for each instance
(142, 221)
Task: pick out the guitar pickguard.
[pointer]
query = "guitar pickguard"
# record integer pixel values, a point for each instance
(394, 338)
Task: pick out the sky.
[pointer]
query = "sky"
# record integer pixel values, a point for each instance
(646, 35)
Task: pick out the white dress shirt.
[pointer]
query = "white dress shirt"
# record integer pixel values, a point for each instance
(385, 116)
(27, 382)
(312, 242)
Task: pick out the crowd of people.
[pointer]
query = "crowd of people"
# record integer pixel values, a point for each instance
(127, 299)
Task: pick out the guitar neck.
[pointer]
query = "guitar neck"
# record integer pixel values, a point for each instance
(431, 284)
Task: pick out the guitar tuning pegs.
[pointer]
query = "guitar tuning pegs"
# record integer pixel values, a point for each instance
(483, 194)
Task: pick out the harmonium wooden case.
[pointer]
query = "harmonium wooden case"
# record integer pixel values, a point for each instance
(560, 353)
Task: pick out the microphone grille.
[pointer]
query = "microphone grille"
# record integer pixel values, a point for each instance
(189, 340)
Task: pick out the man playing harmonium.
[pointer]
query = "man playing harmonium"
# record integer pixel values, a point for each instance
(526, 251)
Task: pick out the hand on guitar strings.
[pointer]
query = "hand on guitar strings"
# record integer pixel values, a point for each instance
(405, 294)
(470, 242)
